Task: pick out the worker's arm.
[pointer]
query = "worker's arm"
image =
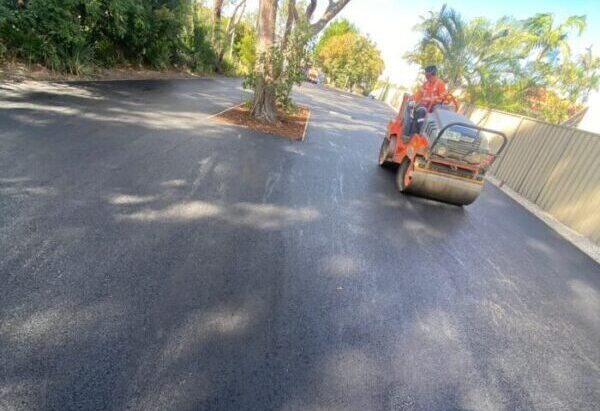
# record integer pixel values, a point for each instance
(441, 88)
(439, 91)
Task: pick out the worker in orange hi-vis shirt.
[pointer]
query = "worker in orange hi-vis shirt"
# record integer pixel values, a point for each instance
(433, 88)
(431, 92)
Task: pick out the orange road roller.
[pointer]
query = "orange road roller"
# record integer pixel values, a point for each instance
(439, 153)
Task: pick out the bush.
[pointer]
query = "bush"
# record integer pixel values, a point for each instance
(201, 54)
(246, 50)
(73, 35)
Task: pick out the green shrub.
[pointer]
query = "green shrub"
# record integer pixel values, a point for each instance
(73, 35)
(203, 55)
(246, 50)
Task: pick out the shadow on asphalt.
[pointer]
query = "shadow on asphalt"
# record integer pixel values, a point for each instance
(154, 260)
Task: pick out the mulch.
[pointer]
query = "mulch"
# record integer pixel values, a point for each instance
(290, 126)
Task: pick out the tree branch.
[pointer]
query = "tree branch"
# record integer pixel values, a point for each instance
(310, 9)
(233, 21)
(291, 17)
(216, 20)
(332, 10)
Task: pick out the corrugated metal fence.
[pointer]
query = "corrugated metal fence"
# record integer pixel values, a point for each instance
(555, 167)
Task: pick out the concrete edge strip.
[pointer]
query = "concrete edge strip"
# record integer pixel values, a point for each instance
(103, 80)
(306, 124)
(583, 243)
(223, 111)
(149, 78)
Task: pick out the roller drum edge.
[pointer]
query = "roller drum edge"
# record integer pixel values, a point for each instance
(450, 190)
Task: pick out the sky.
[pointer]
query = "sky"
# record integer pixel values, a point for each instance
(390, 23)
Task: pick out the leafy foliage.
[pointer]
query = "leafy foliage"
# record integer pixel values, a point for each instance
(71, 35)
(349, 59)
(523, 66)
(336, 28)
(288, 64)
(245, 49)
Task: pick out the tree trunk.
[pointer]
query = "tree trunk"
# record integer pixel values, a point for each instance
(230, 29)
(263, 106)
(231, 45)
(216, 17)
(310, 9)
(291, 17)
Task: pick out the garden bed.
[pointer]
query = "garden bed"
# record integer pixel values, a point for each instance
(290, 125)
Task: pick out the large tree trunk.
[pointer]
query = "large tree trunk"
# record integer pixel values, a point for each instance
(264, 94)
(263, 106)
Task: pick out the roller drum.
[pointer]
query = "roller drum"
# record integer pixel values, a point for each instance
(439, 187)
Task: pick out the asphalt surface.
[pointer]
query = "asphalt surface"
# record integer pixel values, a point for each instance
(152, 259)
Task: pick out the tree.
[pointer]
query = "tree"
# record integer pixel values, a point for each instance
(76, 35)
(336, 28)
(350, 60)
(577, 77)
(217, 10)
(245, 48)
(333, 8)
(460, 49)
(509, 64)
(263, 106)
(549, 39)
(230, 29)
(267, 79)
(292, 17)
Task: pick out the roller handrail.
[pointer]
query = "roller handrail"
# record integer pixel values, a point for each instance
(473, 127)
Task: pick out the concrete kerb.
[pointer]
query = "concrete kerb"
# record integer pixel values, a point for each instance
(115, 80)
(241, 104)
(223, 111)
(306, 124)
(105, 80)
(583, 243)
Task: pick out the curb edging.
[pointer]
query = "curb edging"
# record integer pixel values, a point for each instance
(223, 111)
(306, 124)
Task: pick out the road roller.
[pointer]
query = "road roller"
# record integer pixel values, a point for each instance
(439, 153)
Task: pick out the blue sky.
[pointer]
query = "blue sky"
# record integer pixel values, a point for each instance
(389, 23)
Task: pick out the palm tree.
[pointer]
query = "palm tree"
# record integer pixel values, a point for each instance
(550, 39)
(446, 31)
(462, 50)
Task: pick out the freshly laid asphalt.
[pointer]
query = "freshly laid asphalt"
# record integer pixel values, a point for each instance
(152, 259)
